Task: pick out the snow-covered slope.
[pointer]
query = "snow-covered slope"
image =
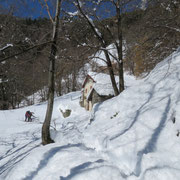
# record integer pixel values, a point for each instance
(131, 137)
(137, 125)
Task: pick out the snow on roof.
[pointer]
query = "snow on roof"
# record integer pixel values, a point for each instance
(102, 85)
(101, 78)
(104, 89)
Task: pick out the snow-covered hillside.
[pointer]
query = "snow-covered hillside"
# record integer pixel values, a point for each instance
(131, 137)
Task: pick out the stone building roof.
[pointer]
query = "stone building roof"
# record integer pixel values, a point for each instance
(102, 84)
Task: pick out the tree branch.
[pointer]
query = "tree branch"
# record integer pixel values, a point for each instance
(25, 50)
(48, 11)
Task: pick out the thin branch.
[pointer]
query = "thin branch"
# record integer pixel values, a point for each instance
(98, 58)
(25, 50)
(168, 27)
(48, 11)
(89, 22)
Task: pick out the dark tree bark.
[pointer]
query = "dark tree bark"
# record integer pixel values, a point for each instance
(119, 46)
(46, 139)
(111, 73)
(74, 78)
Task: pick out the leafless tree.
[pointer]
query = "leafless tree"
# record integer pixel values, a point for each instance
(46, 139)
(105, 30)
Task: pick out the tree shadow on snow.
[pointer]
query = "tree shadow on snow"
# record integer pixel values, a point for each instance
(47, 156)
(151, 93)
(17, 151)
(16, 159)
(141, 109)
(81, 168)
(14, 146)
(151, 144)
(158, 168)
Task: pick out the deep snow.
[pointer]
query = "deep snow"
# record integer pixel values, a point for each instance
(131, 137)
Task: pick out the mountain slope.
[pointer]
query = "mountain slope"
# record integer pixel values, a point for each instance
(137, 125)
(131, 137)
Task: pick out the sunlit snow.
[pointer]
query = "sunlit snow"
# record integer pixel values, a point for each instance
(131, 137)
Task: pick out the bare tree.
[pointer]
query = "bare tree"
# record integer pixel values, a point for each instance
(46, 139)
(108, 31)
(101, 39)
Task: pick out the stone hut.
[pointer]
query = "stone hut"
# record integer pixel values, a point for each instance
(96, 88)
(100, 93)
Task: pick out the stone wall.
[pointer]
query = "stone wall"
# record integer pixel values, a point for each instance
(96, 98)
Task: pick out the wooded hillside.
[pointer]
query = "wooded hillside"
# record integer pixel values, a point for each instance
(149, 35)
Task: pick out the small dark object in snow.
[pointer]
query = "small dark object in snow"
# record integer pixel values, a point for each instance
(174, 120)
(91, 120)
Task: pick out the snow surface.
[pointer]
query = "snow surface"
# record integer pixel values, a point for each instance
(130, 136)
(103, 85)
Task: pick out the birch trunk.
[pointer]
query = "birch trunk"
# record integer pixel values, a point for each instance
(46, 138)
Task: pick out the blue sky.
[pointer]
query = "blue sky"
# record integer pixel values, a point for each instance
(30, 8)
(24, 8)
(33, 9)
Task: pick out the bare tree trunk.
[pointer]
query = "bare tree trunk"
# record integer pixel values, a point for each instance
(74, 77)
(120, 46)
(59, 90)
(111, 73)
(121, 77)
(46, 139)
